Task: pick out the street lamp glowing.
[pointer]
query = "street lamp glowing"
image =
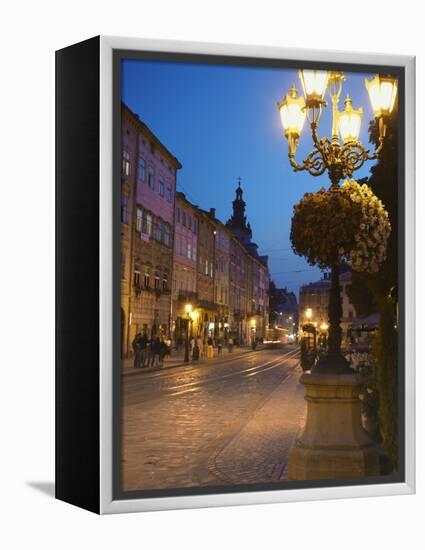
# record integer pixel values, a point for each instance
(382, 92)
(194, 315)
(292, 115)
(314, 85)
(188, 308)
(308, 313)
(324, 326)
(349, 121)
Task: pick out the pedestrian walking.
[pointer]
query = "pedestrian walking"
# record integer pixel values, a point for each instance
(136, 350)
(219, 346)
(200, 347)
(155, 351)
(230, 344)
(162, 351)
(143, 344)
(149, 353)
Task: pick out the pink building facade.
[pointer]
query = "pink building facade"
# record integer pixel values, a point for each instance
(148, 188)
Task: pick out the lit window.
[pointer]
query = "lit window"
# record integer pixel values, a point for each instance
(139, 219)
(147, 277)
(157, 277)
(137, 273)
(206, 267)
(189, 250)
(161, 186)
(142, 170)
(126, 167)
(149, 224)
(124, 209)
(194, 254)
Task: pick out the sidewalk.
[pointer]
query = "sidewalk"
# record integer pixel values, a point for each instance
(176, 359)
(259, 452)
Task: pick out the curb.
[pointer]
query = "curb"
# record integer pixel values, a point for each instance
(131, 371)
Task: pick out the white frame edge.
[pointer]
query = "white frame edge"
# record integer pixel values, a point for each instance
(107, 504)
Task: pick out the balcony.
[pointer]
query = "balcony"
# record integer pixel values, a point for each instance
(187, 296)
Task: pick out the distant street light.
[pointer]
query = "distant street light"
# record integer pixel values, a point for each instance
(308, 313)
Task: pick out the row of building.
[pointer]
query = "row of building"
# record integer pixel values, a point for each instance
(182, 269)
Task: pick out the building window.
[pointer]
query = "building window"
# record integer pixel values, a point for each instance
(194, 254)
(142, 170)
(161, 187)
(168, 193)
(158, 232)
(137, 273)
(139, 219)
(178, 215)
(165, 281)
(189, 222)
(206, 267)
(182, 246)
(126, 167)
(147, 277)
(151, 178)
(189, 250)
(157, 277)
(195, 225)
(184, 219)
(211, 269)
(148, 224)
(167, 235)
(124, 209)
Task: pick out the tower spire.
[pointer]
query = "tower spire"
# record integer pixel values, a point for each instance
(237, 222)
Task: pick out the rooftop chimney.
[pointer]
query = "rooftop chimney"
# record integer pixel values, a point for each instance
(212, 212)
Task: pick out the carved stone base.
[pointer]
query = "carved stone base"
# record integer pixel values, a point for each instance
(334, 443)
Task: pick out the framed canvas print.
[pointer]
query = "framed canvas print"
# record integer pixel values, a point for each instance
(235, 274)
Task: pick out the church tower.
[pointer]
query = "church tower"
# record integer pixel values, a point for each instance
(237, 223)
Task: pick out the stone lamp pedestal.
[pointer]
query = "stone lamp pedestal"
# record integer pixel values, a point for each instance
(334, 443)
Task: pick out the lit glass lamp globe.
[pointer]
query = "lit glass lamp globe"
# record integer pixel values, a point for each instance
(349, 121)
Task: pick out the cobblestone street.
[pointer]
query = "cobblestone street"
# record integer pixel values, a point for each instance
(230, 421)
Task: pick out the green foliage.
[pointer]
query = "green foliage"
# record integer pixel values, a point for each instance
(385, 351)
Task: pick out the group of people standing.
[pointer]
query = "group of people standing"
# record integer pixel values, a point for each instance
(150, 352)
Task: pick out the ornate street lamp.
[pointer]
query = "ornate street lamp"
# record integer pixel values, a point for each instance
(339, 157)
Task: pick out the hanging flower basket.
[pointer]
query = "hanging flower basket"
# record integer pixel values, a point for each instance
(350, 224)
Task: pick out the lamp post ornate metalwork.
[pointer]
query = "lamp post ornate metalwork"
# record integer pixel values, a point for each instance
(341, 155)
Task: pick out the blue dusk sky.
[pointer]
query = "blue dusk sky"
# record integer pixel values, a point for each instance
(222, 122)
